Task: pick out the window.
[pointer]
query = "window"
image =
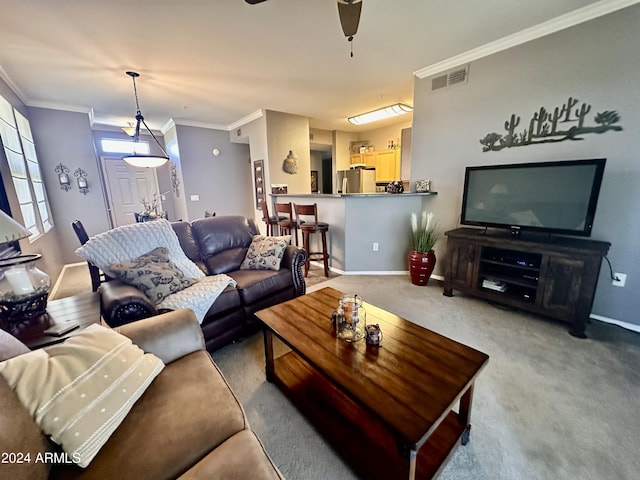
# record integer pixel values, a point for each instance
(23, 163)
(110, 145)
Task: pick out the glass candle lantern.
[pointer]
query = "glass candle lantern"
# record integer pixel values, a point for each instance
(23, 288)
(351, 318)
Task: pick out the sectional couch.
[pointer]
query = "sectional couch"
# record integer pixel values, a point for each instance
(187, 424)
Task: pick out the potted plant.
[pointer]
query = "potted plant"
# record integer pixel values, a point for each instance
(422, 258)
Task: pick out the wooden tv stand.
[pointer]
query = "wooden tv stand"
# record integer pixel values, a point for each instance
(551, 276)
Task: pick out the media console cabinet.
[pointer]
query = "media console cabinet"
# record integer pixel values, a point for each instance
(548, 275)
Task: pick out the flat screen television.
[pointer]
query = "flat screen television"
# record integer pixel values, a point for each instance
(557, 197)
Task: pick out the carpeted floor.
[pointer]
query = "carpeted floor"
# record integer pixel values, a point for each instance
(547, 406)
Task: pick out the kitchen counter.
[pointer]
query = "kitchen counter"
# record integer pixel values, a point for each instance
(352, 195)
(369, 233)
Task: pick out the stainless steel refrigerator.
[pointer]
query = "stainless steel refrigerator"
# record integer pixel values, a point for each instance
(358, 180)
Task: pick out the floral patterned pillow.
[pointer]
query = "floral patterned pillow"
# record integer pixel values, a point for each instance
(152, 273)
(265, 253)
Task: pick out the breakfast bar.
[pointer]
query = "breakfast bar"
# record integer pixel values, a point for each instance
(369, 232)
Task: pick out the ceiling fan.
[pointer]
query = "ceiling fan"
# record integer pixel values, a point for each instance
(349, 13)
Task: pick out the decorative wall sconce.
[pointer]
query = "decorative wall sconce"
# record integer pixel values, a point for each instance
(83, 186)
(63, 177)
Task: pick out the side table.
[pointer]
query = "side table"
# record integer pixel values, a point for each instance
(83, 308)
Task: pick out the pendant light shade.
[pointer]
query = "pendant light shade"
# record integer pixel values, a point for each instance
(138, 159)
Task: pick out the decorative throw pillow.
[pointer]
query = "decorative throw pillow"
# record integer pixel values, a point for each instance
(152, 273)
(265, 253)
(80, 390)
(123, 243)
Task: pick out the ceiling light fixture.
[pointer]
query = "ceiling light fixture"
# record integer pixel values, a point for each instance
(130, 130)
(381, 114)
(138, 159)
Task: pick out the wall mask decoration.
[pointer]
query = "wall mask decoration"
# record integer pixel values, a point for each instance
(63, 177)
(563, 123)
(290, 164)
(81, 176)
(175, 181)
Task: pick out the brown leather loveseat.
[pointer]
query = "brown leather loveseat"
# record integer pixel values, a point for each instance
(217, 245)
(187, 424)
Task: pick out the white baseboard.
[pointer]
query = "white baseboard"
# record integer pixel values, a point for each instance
(629, 326)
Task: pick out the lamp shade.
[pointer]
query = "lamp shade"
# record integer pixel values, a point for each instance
(144, 161)
(10, 230)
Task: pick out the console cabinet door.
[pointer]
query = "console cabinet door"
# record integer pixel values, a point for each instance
(463, 259)
(563, 283)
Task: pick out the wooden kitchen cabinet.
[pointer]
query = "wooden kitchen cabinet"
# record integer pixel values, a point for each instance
(367, 158)
(355, 158)
(551, 276)
(388, 165)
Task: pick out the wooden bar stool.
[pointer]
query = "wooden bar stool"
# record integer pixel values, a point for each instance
(308, 227)
(271, 221)
(287, 225)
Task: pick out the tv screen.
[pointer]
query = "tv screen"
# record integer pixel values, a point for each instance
(555, 197)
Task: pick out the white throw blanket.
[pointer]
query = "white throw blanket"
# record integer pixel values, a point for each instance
(127, 242)
(130, 241)
(200, 296)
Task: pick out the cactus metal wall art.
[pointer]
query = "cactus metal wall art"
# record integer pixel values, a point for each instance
(564, 123)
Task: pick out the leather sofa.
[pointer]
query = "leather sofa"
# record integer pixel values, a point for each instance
(188, 424)
(217, 245)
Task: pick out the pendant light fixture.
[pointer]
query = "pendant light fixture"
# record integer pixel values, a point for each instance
(139, 159)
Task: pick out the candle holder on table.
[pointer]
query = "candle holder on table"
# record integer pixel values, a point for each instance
(23, 288)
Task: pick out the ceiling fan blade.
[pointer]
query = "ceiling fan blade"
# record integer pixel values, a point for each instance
(349, 13)
(253, 2)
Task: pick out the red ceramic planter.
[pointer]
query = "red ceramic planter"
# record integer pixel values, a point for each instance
(421, 266)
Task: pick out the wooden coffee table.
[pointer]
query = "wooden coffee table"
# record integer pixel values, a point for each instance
(83, 309)
(386, 410)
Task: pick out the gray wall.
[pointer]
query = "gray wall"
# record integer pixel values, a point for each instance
(223, 182)
(65, 137)
(595, 62)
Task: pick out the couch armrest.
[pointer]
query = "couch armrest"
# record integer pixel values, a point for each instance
(168, 336)
(294, 258)
(122, 303)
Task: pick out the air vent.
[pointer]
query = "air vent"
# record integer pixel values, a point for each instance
(456, 76)
(238, 132)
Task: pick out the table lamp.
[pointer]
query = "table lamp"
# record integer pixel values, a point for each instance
(23, 287)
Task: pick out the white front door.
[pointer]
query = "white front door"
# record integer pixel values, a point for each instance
(126, 187)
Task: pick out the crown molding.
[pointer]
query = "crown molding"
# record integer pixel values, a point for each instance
(249, 118)
(62, 106)
(576, 17)
(190, 123)
(12, 85)
(168, 126)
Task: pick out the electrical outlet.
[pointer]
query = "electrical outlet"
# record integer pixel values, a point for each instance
(619, 279)
(376, 247)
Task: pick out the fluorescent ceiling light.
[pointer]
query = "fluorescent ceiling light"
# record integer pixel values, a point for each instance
(381, 114)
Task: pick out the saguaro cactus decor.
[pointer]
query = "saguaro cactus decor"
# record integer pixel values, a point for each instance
(546, 127)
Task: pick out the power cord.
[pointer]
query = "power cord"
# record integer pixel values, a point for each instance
(613, 277)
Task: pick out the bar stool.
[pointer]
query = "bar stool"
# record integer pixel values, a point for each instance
(309, 227)
(287, 226)
(271, 221)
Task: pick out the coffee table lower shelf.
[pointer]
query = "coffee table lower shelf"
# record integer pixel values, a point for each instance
(360, 438)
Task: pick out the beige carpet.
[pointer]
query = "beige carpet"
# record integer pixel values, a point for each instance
(548, 406)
